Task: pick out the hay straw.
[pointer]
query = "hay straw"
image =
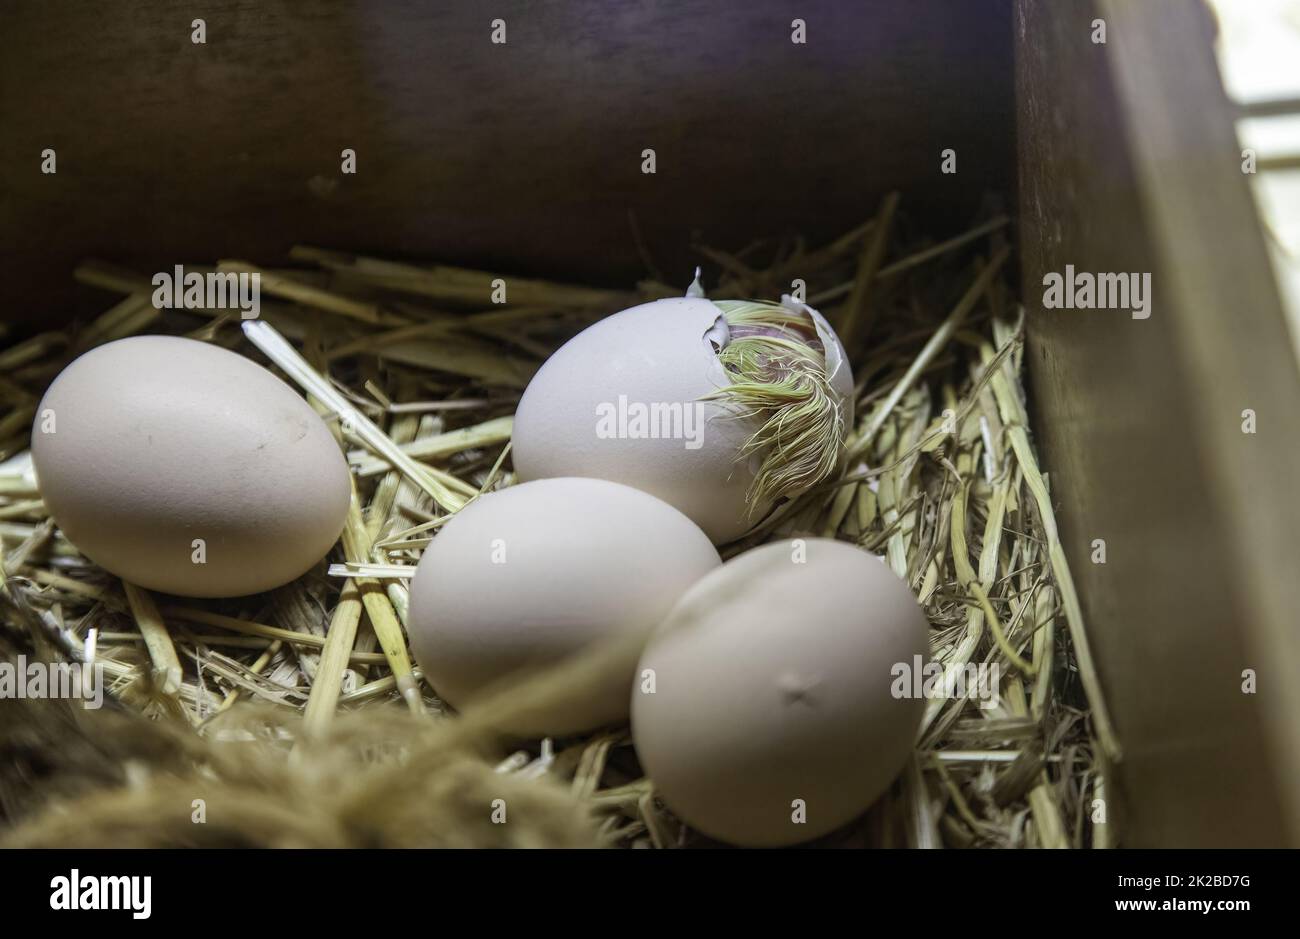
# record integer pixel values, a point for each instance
(855, 320)
(335, 654)
(440, 446)
(166, 666)
(942, 336)
(290, 289)
(444, 282)
(941, 479)
(279, 351)
(1017, 423)
(383, 619)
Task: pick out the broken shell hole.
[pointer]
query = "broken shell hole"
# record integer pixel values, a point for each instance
(768, 360)
(808, 338)
(776, 363)
(742, 319)
(765, 319)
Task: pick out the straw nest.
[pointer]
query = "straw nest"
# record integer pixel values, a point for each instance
(297, 718)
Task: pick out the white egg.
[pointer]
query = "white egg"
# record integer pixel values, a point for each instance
(533, 574)
(622, 401)
(765, 713)
(185, 468)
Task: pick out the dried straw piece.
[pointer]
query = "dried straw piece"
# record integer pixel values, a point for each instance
(31, 350)
(940, 339)
(278, 285)
(167, 671)
(339, 640)
(256, 668)
(383, 619)
(1017, 422)
(260, 630)
(444, 282)
(279, 351)
(403, 429)
(917, 259)
(855, 322)
(494, 431)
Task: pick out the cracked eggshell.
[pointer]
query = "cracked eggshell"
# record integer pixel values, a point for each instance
(534, 573)
(772, 683)
(837, 360)
(158, 441)
(654, 354)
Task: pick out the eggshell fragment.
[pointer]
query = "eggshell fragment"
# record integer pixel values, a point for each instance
(535, 573)
(188, 469)
(772, 693)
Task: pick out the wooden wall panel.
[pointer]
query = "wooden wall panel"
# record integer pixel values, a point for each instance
(1127, 162)
(523, 158)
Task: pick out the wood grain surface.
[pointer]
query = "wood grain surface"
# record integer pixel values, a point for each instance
(1128, 163)
(523, 157)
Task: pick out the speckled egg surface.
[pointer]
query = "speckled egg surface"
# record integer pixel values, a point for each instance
(188, 469)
